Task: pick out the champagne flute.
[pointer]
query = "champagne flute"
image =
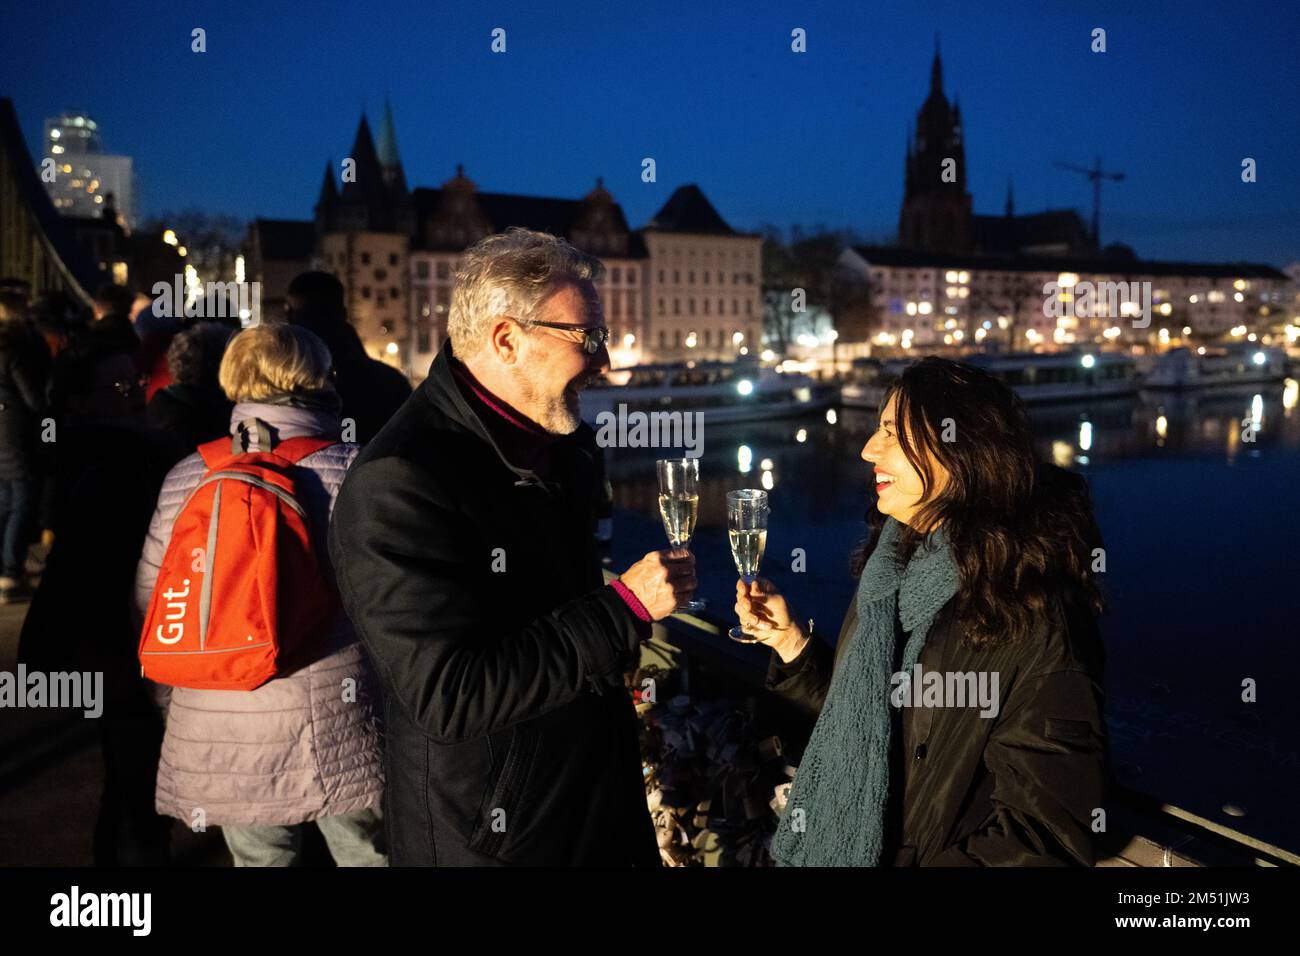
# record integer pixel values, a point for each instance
(679, 506)
(747, 528)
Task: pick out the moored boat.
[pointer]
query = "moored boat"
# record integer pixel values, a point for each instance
(722, 391)
(1216, 367)
(1035, 376)
(1063, 376)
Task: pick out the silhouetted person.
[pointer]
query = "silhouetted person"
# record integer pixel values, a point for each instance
(193, 409)
(155, 333)
(24, 368)
(96, 373)
(57, 317)
(371, 391)
(108, 468)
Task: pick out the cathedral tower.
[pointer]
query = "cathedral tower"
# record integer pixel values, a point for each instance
(936, 212)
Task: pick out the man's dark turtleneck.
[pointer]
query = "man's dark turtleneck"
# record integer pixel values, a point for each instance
(524, 443)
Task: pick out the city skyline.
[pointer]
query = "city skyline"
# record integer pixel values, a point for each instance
(774, 137)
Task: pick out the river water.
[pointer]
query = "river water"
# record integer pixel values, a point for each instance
(1202, 532)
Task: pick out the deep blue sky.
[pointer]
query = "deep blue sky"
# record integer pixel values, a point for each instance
(711, 91)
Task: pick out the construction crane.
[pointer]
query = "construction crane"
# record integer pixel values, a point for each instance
(1095, 175)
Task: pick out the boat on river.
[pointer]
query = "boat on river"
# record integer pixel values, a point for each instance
(1217, 367)
(722, 391)
(1035, 376)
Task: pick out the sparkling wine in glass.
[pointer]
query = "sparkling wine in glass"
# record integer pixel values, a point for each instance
(679, 506)
(747, 531)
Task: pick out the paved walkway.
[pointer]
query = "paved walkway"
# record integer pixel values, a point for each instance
(51, 775)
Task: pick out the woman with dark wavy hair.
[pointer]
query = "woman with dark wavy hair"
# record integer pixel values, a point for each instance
(960, 713)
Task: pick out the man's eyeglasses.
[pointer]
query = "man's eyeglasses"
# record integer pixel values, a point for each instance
(593, 336)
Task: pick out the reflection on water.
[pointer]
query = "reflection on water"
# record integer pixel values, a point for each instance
(1196, 494)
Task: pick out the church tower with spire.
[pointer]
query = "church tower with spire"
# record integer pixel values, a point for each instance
(328, 202)
(364, 228)
(374, 198)
(389, 161)
(936, 211)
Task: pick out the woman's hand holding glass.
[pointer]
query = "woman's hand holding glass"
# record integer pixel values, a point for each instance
(767, 618)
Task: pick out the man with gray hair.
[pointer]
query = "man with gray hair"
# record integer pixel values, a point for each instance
(463, 544)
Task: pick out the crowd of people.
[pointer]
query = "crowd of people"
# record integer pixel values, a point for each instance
(101, 413)
(461, 699)
(110, 421)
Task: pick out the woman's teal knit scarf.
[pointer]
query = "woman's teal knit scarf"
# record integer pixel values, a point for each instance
(842, 785)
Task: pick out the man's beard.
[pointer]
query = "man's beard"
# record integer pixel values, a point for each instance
(557, 414)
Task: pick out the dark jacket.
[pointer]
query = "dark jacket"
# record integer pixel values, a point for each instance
(191, 414)
(370, 390)
(1016, 789)
(24, 371)
(107, 466)
(106, 480)
(476, 589)
(96, 376)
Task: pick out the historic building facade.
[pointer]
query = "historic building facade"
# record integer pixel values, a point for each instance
(705, 282)
(364, 231)
(1036, 281)
(686, 286)
(932, 298)
(456, 215)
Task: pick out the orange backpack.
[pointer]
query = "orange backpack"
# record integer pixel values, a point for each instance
(240, 595)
